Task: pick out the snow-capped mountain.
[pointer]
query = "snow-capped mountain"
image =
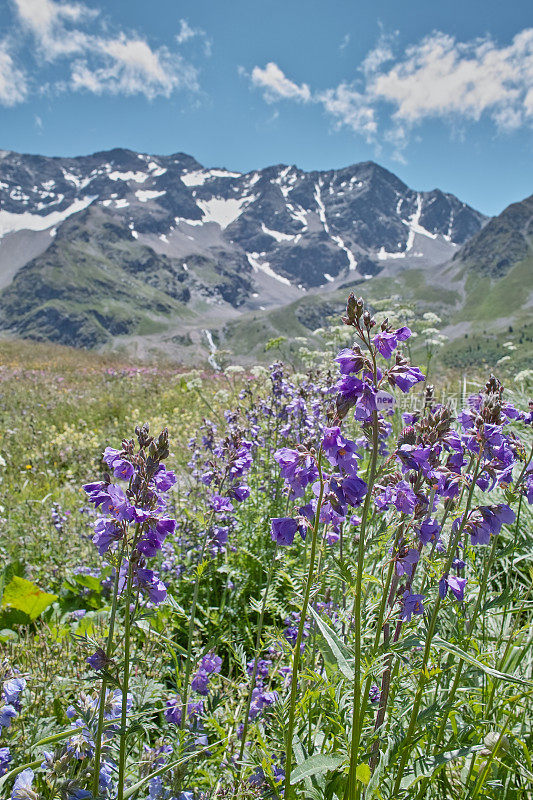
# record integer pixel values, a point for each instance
(78, 234)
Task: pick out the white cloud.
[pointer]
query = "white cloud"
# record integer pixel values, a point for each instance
(351, 108)
(345, 42)
(438, 77)
(277, 86)
(186, 32)
(49, 22)
(98, 63)
(132, 67)
(380, 54)
(13, 83)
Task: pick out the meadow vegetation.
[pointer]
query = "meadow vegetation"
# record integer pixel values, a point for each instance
(312, 580)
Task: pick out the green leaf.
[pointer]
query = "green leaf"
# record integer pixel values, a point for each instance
(336, 651)
(456, 651)
(89, 581)
(25, 596)
(363, 773)
(425, 767)
(14, 568)
(314, 765)
(498, 601)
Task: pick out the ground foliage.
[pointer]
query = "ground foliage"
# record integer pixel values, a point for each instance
(258, 495)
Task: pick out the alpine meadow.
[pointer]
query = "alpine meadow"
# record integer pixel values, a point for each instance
(266, 441)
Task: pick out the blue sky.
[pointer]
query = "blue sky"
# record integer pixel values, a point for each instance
(441, 94)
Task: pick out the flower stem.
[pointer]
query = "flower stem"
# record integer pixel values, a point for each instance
(256, 664)
(125, 686)
(192, 620)
(351, 787)
(288, 790)
(429, 637)
(101, 704)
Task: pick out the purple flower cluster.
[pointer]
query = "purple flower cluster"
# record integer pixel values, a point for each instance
(221, 466)
(135, 516)
(13, 686)
(209, 665)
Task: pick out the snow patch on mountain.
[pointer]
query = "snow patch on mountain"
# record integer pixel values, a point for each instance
(321, 206)
(200, 176)
(138, 177)
(79, 183)
(279, 236)
(264, 266)
(10, 222)
(147, 194)
(414, 226)
(352, 261)
(223, 211)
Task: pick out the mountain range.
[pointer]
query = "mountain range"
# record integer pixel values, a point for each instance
(158, 253)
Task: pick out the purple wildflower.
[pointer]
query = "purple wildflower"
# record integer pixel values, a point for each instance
(429, 531)
(354, 490)
(221, 505)
(106, 533)
(7, 713)
(22, 787)
(366, 404)
(412, 604)
(341, 452)
(405, 562)
(374, 695)
(387, 341)
(350, 361)
(457, 585)
(211, 663)
(12, 688)
(98, 660)
(123, 469)
(5, 760)
(405, 377)
(283, 530)
(200, 682)
(149, 583)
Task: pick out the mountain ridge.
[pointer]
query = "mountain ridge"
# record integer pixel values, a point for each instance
(198, 246)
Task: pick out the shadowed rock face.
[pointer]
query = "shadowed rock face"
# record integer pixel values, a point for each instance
(503, 242)
(137, 237)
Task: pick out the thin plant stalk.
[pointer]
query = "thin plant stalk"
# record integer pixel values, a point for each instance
(256, 665)
(192, 620)
(429, 637)
(103, 689)
(351, 787)
(288, 789)
(125, 687)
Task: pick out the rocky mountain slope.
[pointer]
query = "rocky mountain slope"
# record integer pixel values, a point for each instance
(483, 295)
(126, 244)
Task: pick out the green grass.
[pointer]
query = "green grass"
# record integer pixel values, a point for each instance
(487, 301)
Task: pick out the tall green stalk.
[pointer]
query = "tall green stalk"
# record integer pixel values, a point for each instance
(429, 636)
(125, 687)
(192, 620)
(256, 664)
(357, 723)
(103, 689)
(289, 793)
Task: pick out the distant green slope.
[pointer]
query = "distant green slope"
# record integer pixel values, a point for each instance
(92, 284)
